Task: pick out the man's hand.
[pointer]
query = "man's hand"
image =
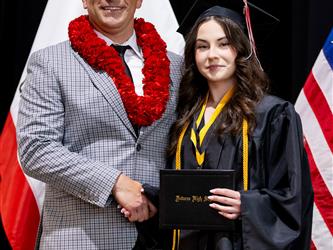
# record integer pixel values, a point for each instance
(127, 193)
(151, 208)
(152, 211)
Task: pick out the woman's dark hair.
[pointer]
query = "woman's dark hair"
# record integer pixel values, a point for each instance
(252, 84)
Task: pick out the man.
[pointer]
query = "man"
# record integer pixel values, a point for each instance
(93, 125)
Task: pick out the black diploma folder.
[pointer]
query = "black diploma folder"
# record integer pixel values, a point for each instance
(184, 200)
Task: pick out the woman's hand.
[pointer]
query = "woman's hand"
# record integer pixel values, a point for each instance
(226, 201)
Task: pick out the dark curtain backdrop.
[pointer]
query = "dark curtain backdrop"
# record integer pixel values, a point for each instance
(287, 55)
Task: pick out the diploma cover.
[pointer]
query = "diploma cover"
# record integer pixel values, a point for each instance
(184, 200)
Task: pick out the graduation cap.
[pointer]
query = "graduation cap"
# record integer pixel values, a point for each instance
(236, 10)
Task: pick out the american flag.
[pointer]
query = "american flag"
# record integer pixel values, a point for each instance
(21, 197)
(315, 105)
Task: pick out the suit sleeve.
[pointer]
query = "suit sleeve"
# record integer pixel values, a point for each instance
(40, 131)
(279, 215)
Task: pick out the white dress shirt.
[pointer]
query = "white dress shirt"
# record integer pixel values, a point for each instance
(133, 58)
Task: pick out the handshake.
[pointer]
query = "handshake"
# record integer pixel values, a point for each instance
(139, 204)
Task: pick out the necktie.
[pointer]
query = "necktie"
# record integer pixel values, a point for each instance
(121, 51)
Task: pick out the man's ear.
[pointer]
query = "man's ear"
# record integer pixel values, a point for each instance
(84, 2)
(139, 3)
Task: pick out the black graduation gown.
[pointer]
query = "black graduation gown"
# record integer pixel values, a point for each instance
(276, 211)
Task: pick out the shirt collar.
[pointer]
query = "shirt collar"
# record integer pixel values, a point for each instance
(131, 42)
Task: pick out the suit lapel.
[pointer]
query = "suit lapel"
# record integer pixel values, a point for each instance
(106, 86)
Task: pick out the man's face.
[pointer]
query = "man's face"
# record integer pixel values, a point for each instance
(112, 17)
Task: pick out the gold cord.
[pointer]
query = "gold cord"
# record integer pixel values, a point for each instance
(176, 232)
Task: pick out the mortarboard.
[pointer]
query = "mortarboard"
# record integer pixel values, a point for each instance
(261, 20)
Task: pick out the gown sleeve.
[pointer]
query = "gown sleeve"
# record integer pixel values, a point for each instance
(278, 215)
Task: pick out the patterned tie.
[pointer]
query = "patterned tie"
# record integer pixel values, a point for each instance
(121, 51)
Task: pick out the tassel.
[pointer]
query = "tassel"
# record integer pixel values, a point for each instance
(250, 33)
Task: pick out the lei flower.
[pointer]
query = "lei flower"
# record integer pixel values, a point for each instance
(141, 110)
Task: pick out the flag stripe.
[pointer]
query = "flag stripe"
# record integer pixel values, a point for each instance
(36, 186)
(321, 236)
(19, 211)
(312, 246)
(323, 198)
(320, 108)
(323, 74)
(315, 107)
(321, 153)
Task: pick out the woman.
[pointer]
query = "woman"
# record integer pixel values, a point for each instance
(222, 101)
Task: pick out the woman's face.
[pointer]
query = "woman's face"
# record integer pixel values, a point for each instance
(214, 56)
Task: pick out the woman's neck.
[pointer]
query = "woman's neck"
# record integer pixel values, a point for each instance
(216, 92)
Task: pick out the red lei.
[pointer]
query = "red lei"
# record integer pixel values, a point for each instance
(141, 110)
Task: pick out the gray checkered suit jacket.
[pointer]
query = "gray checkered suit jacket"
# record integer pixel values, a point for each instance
(74, 135)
